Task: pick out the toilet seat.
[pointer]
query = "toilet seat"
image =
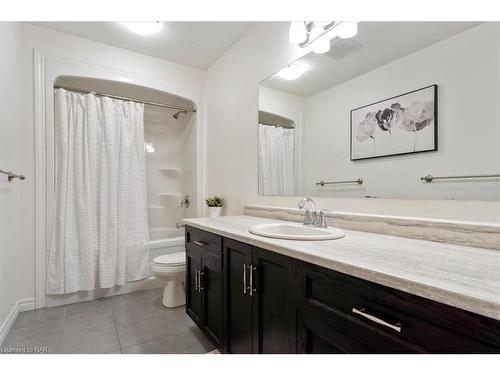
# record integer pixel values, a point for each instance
(171, 260)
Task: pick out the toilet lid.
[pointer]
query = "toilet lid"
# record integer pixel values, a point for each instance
(173, 259)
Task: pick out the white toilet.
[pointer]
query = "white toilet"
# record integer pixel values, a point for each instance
(171, 269)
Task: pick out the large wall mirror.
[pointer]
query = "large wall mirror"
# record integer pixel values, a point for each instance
(387, 113)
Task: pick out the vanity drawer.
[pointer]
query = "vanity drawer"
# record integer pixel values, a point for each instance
(430, 325)
(202, 240)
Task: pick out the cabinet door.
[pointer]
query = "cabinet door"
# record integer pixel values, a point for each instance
(193, 295)
(237, 299)
(274, 312)
(211, 291)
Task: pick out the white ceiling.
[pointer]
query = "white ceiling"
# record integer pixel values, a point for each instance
(375, 45)
(195, 44)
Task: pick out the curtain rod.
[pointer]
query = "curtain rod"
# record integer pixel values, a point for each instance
(277, 125)
(171, 106)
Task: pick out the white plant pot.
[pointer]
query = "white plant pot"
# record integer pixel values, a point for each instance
(214, 211)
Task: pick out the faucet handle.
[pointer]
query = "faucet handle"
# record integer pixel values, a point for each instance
(322, 218)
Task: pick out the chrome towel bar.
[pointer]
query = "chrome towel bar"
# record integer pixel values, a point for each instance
(323, 183)
(11, 175)
(430, 178)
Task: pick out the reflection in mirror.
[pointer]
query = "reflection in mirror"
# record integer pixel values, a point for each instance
(362, 119)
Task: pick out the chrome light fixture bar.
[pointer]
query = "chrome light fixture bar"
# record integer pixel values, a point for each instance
(318, 34)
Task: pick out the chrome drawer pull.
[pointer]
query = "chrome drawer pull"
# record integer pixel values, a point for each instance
(201, 243)
(252, 268)
(396, 327)
(196, 280)
(200, 285)
(244, 279)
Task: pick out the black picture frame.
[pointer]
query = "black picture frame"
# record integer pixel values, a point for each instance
(435, 148)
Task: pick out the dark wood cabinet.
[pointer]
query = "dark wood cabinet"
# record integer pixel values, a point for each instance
(251, 300)
(237, 299)
(378, 319)
(259, 312)
(274, 312)
(193, 297)
(204, 283)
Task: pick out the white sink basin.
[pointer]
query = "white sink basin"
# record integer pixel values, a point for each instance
(288, 231)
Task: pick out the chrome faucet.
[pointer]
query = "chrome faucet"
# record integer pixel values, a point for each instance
(308, 205)
(312, 217)
(185, 202)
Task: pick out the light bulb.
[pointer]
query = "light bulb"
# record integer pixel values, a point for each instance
(347, 29)
(143, 28)
(298, 32)
(292, 71)
(322, 45)
(322, 23)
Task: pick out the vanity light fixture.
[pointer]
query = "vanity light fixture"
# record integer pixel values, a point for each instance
(318, 34)
(143, 28)
(292, 71)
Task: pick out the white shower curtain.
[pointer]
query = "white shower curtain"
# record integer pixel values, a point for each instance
(276, 160)
(100, 234)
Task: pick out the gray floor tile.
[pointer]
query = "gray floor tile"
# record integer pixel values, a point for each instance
(88, 308)
(104, 341)
(195, 341)
(159, 346)
(132, 323)
(141, 332)
(176, 320)
(36, 317)
(126, 300)
(46, 334)
(134, 313)
(89, 323)
(151, 295)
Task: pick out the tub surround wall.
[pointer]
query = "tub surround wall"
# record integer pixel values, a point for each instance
(469, 281)
(483, 235)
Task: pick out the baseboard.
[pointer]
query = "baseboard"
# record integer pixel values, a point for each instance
(26, 304)
(8, 322)
(20, 306)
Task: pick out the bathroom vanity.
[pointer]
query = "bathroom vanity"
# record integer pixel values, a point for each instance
(364, 293)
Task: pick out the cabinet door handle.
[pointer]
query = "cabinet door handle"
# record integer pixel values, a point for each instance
(244, 278)
(200, 282)
(201, 243)
(396, 327)
(252, 268)
(196, 280)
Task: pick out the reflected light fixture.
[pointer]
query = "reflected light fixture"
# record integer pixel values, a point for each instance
(321, 43)
(143, 28)
(292, 71)
(347, 29)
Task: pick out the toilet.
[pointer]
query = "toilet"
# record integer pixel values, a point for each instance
(171, 269)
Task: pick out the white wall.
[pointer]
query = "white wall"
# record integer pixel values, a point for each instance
(9, 160)
(232, 103)
(87, 52)
(468, 124)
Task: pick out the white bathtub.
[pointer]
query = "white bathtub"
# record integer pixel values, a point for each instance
(156, 248)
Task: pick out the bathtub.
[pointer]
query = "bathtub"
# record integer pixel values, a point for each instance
(156, 248)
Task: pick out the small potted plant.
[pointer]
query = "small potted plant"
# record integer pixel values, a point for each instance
(214, 204)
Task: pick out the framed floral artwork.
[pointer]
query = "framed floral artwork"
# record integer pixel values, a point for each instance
(403, 124)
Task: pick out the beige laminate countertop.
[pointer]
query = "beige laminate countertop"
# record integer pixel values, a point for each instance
(460, 276)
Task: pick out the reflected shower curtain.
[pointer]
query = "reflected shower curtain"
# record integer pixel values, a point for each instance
(276, 160)
(100, 234)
